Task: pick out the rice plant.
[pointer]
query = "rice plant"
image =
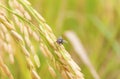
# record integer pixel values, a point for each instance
(26, 39)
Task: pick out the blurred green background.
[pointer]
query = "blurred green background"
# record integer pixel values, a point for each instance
(96, 23)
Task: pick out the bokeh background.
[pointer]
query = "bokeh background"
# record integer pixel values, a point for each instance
(97, 25)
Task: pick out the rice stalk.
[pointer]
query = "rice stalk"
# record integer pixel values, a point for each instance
(18, 38)
(21, 29)
(5, 69)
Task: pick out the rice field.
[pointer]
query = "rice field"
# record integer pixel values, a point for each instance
(59, 39)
